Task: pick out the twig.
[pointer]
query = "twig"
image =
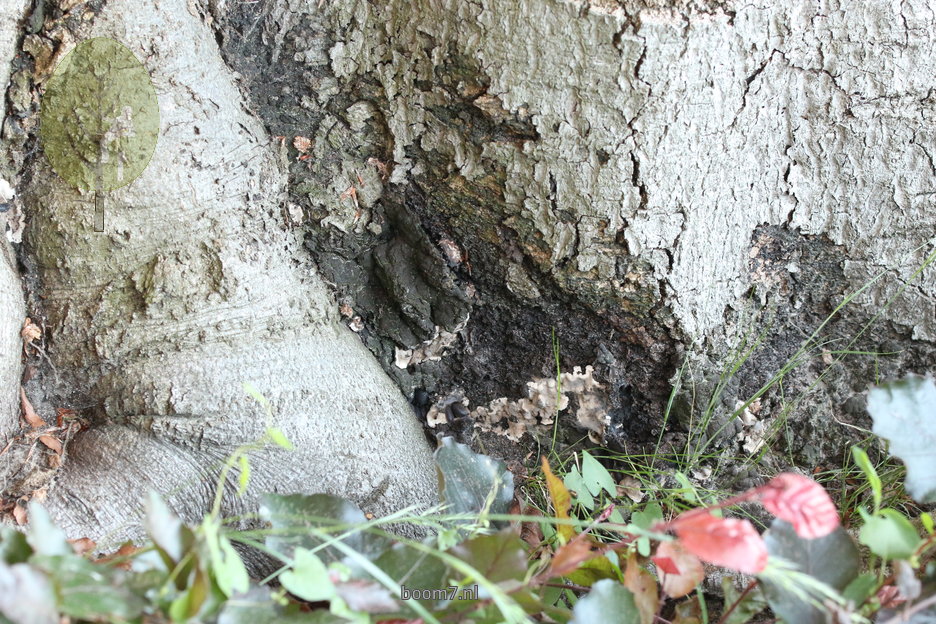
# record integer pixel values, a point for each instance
(738, 601)
(905, 615)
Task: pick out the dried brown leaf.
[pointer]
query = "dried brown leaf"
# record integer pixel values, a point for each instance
(30, 331)
(644, 588)
(568, 558)
(20, 514)
(52, 442)
(82, 545)
(29, 414)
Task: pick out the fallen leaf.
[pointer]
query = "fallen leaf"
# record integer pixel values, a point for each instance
(20, 514)
(726, 542)
(64, 415)
(644, 587)
(680, 570)
(52, 442)
(29, 414)
(631, 488)
(82, 545)
(569, 557)
(802, 502)
(30, 331)
(561, 500)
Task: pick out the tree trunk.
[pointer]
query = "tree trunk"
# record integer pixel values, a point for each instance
(196, 287)
(647, 181)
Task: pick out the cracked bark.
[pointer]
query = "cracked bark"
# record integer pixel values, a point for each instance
(646, 178)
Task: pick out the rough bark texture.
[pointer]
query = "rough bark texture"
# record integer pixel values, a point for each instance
(642, 177)
(11, 291)
(651, 180)
(195, 287)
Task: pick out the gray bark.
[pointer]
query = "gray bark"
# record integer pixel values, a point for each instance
(196, 287)
(12, 311)
(650, 180)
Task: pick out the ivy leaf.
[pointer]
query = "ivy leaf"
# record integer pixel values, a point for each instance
(228, 567)
(832, 559)
(86, 591)
(13, 546)
(596, 476)
(608, 602)
(308, 578)
(904, 412)
(574, 481)
(472, 483)
(293, 515)
(43, 536)
(889, 534)
(499, 557)
(99, 118)
(744, 612)
(645, 519)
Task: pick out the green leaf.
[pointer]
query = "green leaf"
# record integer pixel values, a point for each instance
(99, 120)
(832, 559)
(257, 606)
(860, 588)
(574, 481)
(243, 479)
(255, 394)
(279, 438)
(926, 519)
(644, 519)
(687, 489)
(608, 602)
(44, 537)
(413, 568)
(308, 578)
(90, 592)
(596, 476)
(472, 483)
(904, 412)
(26, 595)
(752, 604)
(293, 515)
(499, 557)
(889, 534)
(13, 546)
(863, 462)
(228, 567)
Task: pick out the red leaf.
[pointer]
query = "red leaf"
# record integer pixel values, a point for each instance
(570, 556)
(681, 571)
(665, 564)
(726, 542)
(802, 502)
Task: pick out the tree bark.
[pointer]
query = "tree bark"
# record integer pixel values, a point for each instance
(650, 182)
(196, 287)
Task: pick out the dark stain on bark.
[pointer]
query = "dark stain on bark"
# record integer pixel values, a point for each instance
(403, 278)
